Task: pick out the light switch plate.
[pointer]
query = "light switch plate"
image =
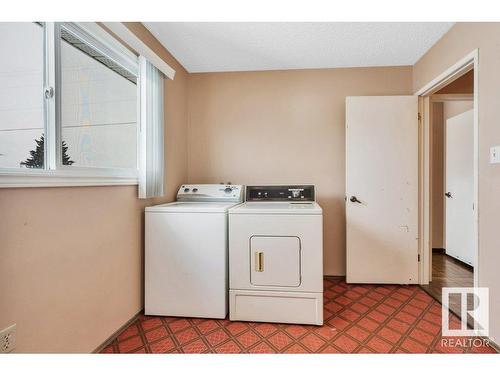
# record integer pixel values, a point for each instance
(494, 154)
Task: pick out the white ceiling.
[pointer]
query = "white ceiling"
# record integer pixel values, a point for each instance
(246, 46)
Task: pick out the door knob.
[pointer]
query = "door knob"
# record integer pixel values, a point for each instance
(448, 195)
(353, 199)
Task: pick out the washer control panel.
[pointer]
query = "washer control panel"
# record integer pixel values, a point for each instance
(210, 193)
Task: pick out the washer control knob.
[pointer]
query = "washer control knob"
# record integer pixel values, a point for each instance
(186, 190)
(228, 190)
(195, 190)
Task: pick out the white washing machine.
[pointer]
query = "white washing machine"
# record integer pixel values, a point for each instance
(186, 252)
(276, 256)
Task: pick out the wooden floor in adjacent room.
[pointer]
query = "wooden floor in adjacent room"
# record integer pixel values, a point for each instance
(449, 272)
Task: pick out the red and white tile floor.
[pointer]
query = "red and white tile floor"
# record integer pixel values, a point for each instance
(358, 319)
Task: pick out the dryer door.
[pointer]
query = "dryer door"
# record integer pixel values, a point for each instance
(275, 261)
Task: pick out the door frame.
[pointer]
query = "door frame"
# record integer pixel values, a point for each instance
(464, 65)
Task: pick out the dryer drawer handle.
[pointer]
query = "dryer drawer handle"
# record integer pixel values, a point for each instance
(259, 261)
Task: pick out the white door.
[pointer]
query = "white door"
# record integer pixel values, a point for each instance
(382, 189)
(460, 187)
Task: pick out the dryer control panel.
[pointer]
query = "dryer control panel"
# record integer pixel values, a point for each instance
(210, 193)
(281, 193)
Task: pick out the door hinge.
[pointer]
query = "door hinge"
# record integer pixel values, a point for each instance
(418, 257)
(419, 117)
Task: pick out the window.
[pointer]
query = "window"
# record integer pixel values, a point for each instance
(98, 108)
(69, 105)
(21, 88)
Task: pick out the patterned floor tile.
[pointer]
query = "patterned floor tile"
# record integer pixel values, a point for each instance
(151, 323)
(186, 335)
(197, 346)
(280, 340)
(179, 324)
(130, 344)
(228, 348)
(162, 346)
(296, 349)
(156, 334)
(208, 325)
(130, 331)
(296, 330)
(379, 345)
(358, 319)
(358, 333)
(312, 342)
(262, 348)
(346, 344)
(413, 346)
(265, 329)
(236, 327)
(216, 337)
(389, 335)
(326, 332)
(247, 339)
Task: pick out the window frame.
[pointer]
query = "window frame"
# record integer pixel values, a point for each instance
(54, 172)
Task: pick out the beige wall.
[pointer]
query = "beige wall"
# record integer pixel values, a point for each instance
(462, 85)
(71, 258)
(458, 42)
(283, 127)
(454, 108)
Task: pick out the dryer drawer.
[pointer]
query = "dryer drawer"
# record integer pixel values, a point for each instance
(275, 261)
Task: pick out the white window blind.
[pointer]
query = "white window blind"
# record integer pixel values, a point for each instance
(151, 149)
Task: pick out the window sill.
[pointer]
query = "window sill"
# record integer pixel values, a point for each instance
(44, 178)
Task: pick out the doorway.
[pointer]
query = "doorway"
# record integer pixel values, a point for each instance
(452, 126)
(371, 154)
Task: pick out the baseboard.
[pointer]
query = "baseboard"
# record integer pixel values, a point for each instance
(461, 263)
(333, 277)
(438, 250)
(494, 345)
(117, 333)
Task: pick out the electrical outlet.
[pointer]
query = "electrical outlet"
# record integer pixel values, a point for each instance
(495, 155)
(8, 339)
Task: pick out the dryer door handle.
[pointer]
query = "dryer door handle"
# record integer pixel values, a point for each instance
(259, 261)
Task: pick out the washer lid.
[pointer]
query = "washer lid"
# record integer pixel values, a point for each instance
(288, 208)
(189, 207)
